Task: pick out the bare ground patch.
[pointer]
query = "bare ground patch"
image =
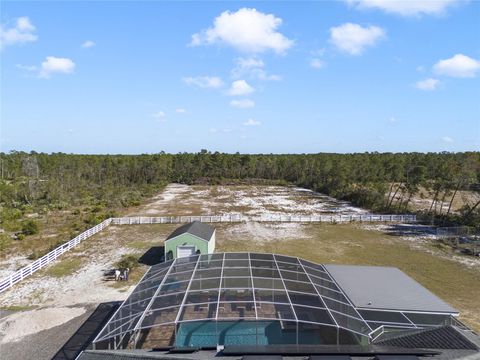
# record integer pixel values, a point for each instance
(251, 200)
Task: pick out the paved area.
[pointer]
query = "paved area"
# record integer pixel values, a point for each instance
(63, 342)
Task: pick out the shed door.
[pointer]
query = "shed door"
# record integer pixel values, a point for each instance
(185, 250)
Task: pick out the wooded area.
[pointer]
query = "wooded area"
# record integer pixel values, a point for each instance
(381, 182)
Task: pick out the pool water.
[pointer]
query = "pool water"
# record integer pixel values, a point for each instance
(209, 334)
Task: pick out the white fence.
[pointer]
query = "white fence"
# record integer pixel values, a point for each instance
(178, 219)
(334, 218)
(28, 270)
(264, 218)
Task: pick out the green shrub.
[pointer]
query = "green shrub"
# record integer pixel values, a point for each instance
(29, 227)
(11, 213)
(127, 261)
(92, 220)
(5, 241)
(97, 208)
(76, 226)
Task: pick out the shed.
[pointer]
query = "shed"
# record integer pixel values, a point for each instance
(189, 239)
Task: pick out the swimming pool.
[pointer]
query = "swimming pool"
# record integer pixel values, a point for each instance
(211, 333)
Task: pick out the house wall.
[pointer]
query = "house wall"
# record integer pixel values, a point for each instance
(185, 239)
(211, 243)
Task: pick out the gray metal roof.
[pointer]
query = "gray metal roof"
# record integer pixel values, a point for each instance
(444, 337)
(388, 288)
(196, 228)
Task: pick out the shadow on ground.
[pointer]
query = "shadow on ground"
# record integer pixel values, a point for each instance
(410, 230)
(153, 256)
(87, 332)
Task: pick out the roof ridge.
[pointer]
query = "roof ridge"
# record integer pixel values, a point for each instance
(197, 228)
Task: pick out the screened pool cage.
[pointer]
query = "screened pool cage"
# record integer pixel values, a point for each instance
(247, 299)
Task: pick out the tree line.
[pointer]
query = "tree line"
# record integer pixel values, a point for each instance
(382, 182)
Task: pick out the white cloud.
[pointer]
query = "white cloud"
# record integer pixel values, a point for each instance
(460, 66)
(88, 44)
(245, 66)
(427, 84)
(54, 64)
(215, 130)
(180, 111)
(317, 63)
(28, 68)
(22, 32)
(264, 76)
(252, 122)
(159, 116)
(253, 68)
(392, 120)
(239, 88)
(406, 7)
(212, 82)
(242, 104)
(447, 139)
(24, 24)
(354, 39)
(246, 30)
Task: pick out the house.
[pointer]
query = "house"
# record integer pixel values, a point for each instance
(240, 304)
(189, 239)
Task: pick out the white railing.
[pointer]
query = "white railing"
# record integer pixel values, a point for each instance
(264, 218)
(40, 263)
(178, 219)
(28, 270)
(334, 218)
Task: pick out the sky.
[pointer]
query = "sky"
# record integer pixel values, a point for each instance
(347, 76)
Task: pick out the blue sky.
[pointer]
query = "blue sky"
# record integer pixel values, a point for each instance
(285, 77)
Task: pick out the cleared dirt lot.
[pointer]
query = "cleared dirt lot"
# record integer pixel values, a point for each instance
(250, 200)
(67, 290)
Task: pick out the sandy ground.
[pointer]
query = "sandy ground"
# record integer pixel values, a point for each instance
(179, 199)
(55, 301)
(11, 264)
(262, 232)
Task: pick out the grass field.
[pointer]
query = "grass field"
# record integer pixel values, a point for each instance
(65, 267)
